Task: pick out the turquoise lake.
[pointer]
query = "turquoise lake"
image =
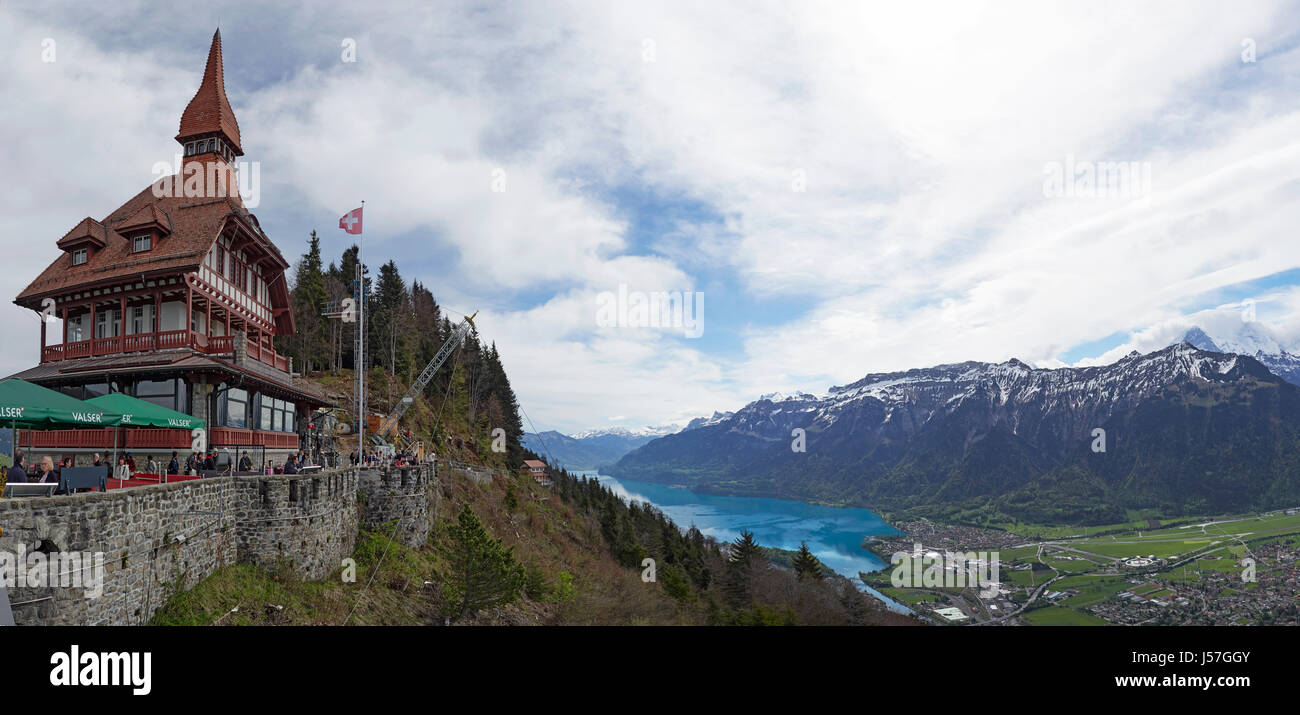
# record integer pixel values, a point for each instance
(833, 534)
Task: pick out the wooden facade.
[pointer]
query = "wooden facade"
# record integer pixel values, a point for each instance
(176, 298)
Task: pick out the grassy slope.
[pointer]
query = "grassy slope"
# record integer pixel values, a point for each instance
(407, 587)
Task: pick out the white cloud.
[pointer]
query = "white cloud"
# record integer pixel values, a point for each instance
(923, 235)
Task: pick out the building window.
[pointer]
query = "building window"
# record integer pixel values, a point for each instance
(168, 393)
(78, 256)
(75, 334)
(234, 408)
(141, 243)
(108, 323)
(141, 319)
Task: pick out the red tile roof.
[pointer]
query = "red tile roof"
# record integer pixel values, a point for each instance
(148, 216)
(88, 231)
(209, 111)
(534, 464)
(195, 224)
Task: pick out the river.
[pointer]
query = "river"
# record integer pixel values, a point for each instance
(833, 534)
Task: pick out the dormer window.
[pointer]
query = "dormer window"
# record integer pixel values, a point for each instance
(78, 256)
(139, 244)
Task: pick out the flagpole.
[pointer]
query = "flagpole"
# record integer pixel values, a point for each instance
(361, 360)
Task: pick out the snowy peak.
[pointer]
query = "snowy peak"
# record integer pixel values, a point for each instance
(1251, 338)
(782, 397)
(1244, 337)
(658, 431)
(944, 388)
(717, 417)
(1197, 338)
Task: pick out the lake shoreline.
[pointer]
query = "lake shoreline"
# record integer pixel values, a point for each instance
(835, 534)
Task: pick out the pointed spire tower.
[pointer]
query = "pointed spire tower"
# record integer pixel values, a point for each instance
(208, 125)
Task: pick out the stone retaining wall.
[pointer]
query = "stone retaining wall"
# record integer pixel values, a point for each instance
(158, 540)
(408, 495)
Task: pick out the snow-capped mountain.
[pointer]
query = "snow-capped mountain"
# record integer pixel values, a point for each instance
(699, 422)
(631, 432)
(1251, 338)
(592, 449)
(1185, 428)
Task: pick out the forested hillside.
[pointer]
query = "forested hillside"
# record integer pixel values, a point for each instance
(470, 396)
(507, 551)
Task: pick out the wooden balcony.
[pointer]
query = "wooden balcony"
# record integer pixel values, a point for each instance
(234, 436)
(165, 340)
(267, 355)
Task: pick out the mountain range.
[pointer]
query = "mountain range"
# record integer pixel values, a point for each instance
(1189, 429)
(592, 449)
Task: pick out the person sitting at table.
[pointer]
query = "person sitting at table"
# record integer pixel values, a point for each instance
(152, 466)
(17, 474)
(210, 461)
(130, 462)
(98, 462)
(291, 465)
(123, 470)
(245, 464)
(47, 475)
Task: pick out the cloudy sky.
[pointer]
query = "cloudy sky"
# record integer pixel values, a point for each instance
(853, 187)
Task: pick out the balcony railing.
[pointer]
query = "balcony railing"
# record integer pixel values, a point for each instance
(267, 355)
(165, 340)
(235, 436)
(145, 438)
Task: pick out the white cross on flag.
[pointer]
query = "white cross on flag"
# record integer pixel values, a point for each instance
(351, 221)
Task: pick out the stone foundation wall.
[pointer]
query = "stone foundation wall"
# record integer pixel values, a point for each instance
(156, 540)
(153, 540)
(304, 522)
(159, 540)
(408, 495)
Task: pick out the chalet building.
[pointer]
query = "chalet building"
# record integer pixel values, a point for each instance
(537, 469)
(175, 298)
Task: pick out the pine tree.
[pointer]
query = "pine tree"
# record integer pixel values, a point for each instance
(738, 583)
(390, 317)
(308, 296)
(806, 566)
(483, 572)
(745, 549)
(856, 607)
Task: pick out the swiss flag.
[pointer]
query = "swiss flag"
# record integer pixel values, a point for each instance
(351, 221)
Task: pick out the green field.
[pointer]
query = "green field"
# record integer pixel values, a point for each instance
(1085, 582)
(1160, 549)
(1096, 593)
(1072, 566)
(909, 596)
(1024, 553)
(1053, 616)
(1177, 529)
